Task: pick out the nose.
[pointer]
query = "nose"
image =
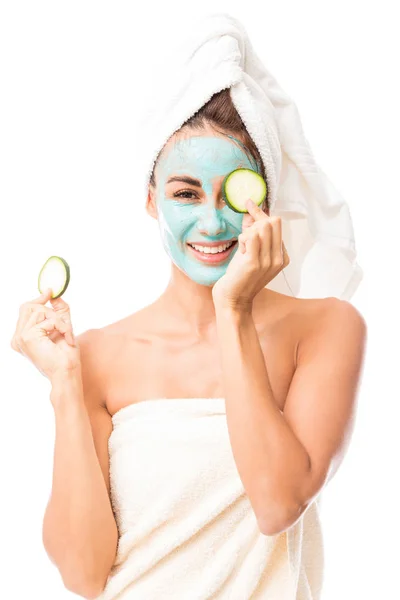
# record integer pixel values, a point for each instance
(211, 222)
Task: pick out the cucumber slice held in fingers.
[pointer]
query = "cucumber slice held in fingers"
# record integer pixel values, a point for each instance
(240, 185)
(54, 274)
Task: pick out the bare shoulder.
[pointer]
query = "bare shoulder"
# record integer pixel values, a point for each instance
(332, 312)
(314, 318)
(331, 321)
(313, 311)
(90, 344)
(99, 346)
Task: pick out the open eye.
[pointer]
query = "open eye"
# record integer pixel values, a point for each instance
(180, 194)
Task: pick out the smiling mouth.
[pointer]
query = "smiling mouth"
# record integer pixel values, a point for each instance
(214, 253)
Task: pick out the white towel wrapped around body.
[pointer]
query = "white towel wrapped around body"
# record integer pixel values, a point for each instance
(187, 528)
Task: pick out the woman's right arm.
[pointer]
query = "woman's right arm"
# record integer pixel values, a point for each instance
(80, 534)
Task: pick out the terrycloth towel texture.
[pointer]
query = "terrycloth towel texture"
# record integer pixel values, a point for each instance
(216, 53)
(187, 528)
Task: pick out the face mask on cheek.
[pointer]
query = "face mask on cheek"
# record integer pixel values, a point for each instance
(189, 219)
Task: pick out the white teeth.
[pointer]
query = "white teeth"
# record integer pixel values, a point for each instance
(213, 249)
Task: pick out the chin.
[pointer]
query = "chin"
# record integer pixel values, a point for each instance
(208, 280)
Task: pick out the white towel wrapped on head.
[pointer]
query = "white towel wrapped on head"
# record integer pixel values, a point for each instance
(216, 53)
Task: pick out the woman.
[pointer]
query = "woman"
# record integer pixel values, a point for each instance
(193, 437)
(287, 367)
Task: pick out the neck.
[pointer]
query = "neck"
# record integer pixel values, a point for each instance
(189, 305)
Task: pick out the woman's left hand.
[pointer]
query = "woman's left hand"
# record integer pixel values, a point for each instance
(260, 256)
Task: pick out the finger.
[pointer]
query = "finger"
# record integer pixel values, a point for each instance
(242, 238)
(50, 324)
(35, 317)
(66, 318)
(265, 232)
(253, 247)
(255, 211)
(26, 308)
(286, 257)
(25, 312)
(46, 327)
(20, 336)
(62, 326)
(64, 323)
(276, 248)
(247, 221)
(41, 323)
(43, 298)
(59, 304)
(63, 310)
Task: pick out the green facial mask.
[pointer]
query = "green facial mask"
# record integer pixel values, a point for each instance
(195, 216)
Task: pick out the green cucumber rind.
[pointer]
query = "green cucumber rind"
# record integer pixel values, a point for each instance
(225, 181)
(67, 279)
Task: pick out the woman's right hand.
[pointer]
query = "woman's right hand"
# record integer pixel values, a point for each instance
(45, 336)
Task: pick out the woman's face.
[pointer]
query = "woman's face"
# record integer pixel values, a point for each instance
(190, 212)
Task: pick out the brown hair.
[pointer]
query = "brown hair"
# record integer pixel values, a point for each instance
(221, 114)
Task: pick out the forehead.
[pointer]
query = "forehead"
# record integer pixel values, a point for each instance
(197, 151)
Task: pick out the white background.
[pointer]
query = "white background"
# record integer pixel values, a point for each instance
(70, 76)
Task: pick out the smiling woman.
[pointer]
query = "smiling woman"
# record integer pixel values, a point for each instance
(197, 216)
(220, 410)
(198, 229)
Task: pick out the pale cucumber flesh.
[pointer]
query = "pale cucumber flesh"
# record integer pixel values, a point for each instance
(241, 184)
(54, 274)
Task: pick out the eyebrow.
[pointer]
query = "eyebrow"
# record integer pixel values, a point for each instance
(185, 179)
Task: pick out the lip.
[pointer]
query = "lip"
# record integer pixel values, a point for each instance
(219, 257)
(213, 244)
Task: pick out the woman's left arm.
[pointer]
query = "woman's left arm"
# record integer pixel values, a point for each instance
(285, 458)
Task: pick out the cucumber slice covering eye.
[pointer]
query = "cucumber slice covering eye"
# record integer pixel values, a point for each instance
(241, 184)
(54, 274)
